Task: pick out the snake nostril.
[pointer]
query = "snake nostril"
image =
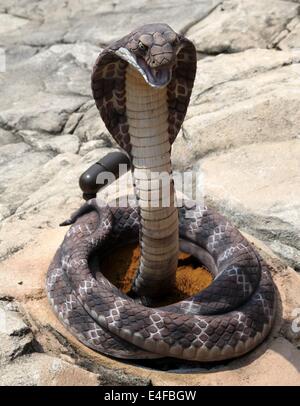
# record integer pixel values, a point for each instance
(154, 63)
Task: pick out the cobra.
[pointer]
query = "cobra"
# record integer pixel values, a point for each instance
(142, 86)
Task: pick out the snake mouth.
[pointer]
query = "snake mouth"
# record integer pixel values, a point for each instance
(159, 77)
(155, 77)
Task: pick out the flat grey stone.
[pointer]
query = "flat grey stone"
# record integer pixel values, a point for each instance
(16, 337)
(249, 195)
(44, 370)
(236, 25)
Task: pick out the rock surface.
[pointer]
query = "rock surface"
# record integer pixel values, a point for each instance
(276, 362)
(241, 134)
(21, 364)
(252, 198)
(237, 25)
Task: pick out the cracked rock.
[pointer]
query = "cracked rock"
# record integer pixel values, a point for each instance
(240, 99)
(237, 25)
(58, 80)
(251, 198)
(291, 36)
(58, 144)
(91, 127)
(7, 137)
(41, 369)
(15, 336)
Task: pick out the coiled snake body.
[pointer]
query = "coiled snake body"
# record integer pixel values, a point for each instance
(142, 85)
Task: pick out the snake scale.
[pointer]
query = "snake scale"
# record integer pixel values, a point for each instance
(142, 86)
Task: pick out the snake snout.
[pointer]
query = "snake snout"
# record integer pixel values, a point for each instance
(160, 67)
(162, 55)
(162, 60)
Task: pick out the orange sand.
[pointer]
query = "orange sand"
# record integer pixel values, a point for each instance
(120, 268)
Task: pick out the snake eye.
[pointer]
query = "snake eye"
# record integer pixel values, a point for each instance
(142, 46)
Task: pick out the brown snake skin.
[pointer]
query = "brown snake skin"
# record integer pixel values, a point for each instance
(227, 319)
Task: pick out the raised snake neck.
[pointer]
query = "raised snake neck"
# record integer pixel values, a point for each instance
(144, 118)
(234, 314)
(147, 115)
